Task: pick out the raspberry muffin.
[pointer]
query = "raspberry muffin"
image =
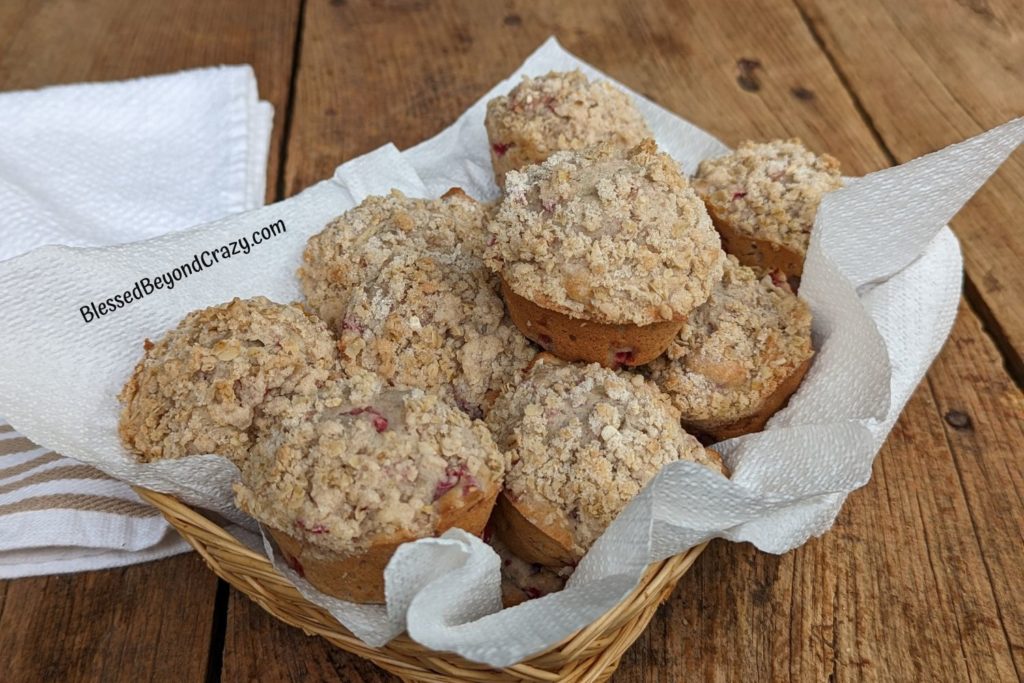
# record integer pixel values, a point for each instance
(763, 198)
(436, 322)
(582, 441)
(739, 357)
(522, 580)
(603, 253)
(210, 383)
(558, 111)
(353, 246)
(341, 487)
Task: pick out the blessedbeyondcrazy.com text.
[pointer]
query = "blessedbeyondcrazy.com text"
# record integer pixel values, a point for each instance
(200, 261)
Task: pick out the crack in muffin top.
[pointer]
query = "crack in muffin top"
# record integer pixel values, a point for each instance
(769, 190)
(736, 349)
(608, 235)
(561, 110)
(212, 382)
(435, 321)
(357, 469)
(584, 440)
(352, 247)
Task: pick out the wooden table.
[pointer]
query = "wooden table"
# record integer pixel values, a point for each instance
(920, 579)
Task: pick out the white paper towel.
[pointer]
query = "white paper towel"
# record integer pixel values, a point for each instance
(884, 294)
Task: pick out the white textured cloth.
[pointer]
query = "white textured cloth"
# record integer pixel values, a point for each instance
(98, 164)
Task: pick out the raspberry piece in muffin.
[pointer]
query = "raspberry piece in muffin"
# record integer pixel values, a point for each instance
(353, 246)
(558, 111)
(434, 321)
(210, 383)
(603, 253)
(342, 486)
(739, 357)
(763, 198)
(582, 441)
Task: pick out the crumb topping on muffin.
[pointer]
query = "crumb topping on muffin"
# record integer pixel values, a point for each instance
(351, 473)
(352, 247)
(609, 235)
(585, 440)
(434, 321)
(208, 383)
(769, 190)
(736, 349)
(560, 111)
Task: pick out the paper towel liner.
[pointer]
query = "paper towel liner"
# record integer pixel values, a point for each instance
(882, 278)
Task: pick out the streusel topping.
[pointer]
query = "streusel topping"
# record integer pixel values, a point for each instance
(435, 321)
(561, 111)
(584, 439)
(736, 349)
(769, 190)
(609, 235)
(351, 472)
(353, 246)
(207, 384)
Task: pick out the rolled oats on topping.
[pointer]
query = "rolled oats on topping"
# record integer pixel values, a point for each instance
(434, 321)
(355, 472)
(560, 111)
(207, 385)
(352, 247)
(769, 190)
(736, 349)
(586, 439)
(606, 235)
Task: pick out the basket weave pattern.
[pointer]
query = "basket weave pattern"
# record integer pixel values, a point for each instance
(590, 654)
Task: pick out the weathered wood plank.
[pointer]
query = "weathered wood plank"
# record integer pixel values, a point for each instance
(150, 622)
(899, 588)
(929, 74)
(258, 647)
(65, 42)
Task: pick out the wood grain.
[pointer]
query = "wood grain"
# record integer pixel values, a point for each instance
(67, 41)
(933, 73)
(900, 589)
(150, 622)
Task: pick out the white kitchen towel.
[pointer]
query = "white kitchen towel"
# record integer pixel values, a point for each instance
(98, 164)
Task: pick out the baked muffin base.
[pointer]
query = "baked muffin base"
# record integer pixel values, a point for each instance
(575, 339)
(525, 528)
(360, 578)
(755, 421)
(761, 254)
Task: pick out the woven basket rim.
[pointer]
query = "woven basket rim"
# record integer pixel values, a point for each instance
(590, 654)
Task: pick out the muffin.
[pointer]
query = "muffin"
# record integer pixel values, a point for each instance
(582, 441)
(341, 487)
(603, 253)
(353, 246)
(434, 321)
(213, 381)
(763, 198)
(522, 580)
(559, 111)
(739, 357)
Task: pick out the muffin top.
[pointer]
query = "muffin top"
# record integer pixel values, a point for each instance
(608, 235)
(434, 321)
(584, 440)
(359, 469)
(353, 246)
(769, 190)
(209, 383)
(561, 110)
(736, 349)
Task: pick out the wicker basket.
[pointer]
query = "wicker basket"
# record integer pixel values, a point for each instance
(590, 654)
